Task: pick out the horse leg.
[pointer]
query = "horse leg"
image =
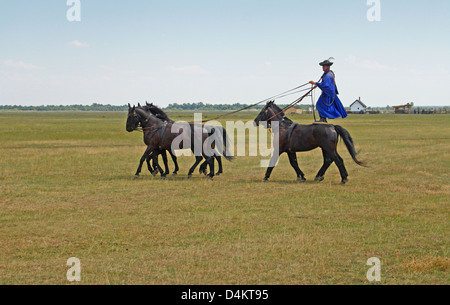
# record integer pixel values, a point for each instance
(175, 162)
(146, 154)
(154, 170)
(166, 164)
(342, 161)
(210, 161)
(198, 159)
(294, 164)
(340, 164)
(273, 161)
(149, 166)
(158, 168)
(203, 168)
(219, 161)
(327, 160)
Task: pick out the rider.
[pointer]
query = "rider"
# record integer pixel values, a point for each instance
(329, 105)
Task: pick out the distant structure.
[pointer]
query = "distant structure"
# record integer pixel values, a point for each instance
(294, 110)
(404, 109)
(358, 107)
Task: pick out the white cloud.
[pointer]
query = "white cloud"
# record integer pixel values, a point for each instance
(78, 44)
(193, 69)
(368, 64)
(21, 65)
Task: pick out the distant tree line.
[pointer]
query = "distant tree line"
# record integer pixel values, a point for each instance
(206, 107)
(93, 107)
(99, 107)
(172, 107)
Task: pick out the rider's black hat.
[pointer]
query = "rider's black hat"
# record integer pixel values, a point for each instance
(327, 63)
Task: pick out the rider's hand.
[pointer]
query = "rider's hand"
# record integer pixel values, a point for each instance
(312, 82)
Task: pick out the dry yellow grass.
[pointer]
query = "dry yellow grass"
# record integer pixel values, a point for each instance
(66, 190)
(426, 264)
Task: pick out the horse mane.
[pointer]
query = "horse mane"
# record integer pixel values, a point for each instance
(277, 109)
(158, 112)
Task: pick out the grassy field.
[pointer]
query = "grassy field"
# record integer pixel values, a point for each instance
(67, 190)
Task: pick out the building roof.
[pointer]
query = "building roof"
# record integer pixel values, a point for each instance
(358, 101)
(403, 106)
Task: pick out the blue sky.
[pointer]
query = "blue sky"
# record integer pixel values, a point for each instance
(221, 51)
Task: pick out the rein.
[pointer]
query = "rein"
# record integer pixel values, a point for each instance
(281, 95)
(303, 97)
(291, 105)
(284, 94)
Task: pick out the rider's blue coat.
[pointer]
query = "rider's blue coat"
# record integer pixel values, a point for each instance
(329, 105)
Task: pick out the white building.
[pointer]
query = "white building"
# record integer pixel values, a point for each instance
(358, 107)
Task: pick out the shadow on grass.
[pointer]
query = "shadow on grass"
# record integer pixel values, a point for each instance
(157, 178)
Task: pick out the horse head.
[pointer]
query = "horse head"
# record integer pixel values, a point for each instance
(133, 119)
(269, 113)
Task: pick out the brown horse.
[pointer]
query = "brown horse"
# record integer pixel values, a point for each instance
(159, 137)
(159, 113)
(163, 116)
(297, 138)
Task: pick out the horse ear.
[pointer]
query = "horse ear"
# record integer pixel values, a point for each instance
(139, 105)
(134, 107)
(129, 106)
(147, 103)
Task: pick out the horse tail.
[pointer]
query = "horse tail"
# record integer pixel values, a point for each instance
(226, 145)
(345, 135)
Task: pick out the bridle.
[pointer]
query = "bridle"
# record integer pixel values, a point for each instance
(138, 117)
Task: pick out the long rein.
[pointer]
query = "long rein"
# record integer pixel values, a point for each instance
(291, 104)
(281, 95)
(298, 100)
(284, 94)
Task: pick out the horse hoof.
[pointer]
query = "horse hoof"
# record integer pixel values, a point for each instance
(218, 174)
(163, 177)
(344, 181)
(174, 174)
(319, 179)
(301, 180)
(265, 180)
(136, 177)
(210, 178)
(155, 173)
(189, 176)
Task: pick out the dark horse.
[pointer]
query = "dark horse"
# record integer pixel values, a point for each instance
(158, 136)
(296, 138)
(159, 113)
(163, 116)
